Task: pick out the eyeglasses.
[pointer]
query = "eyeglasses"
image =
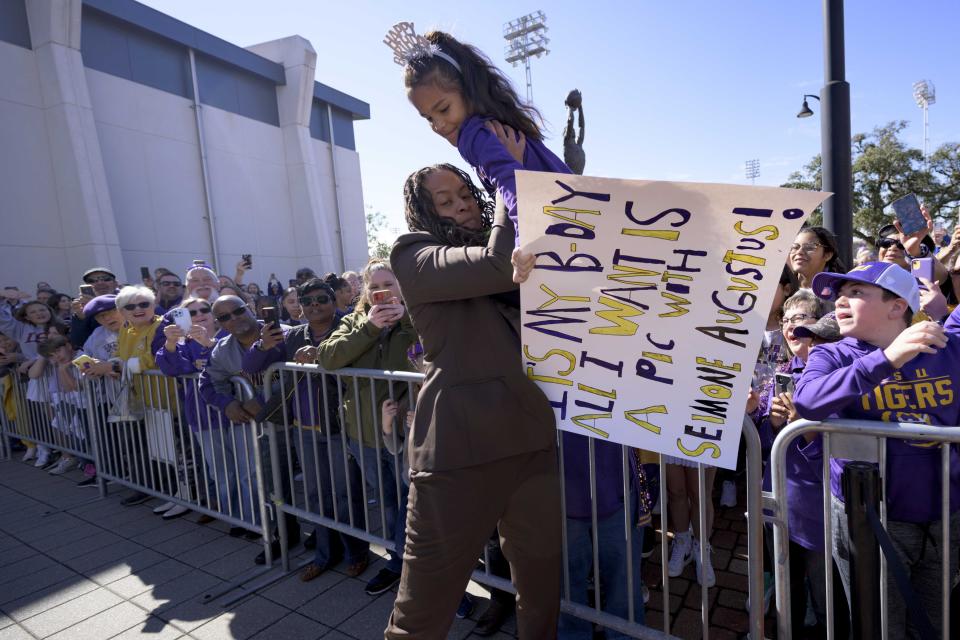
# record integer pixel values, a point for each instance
(806, 247)
(795, 319)
(306, 301)
(886, 243)
(137, 305)
(204, 310)
(171, 283)
(91, 280)
(236, 313)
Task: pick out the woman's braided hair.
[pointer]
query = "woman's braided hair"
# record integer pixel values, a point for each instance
(422, 216)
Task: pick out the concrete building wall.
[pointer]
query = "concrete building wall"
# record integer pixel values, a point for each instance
(100, 161)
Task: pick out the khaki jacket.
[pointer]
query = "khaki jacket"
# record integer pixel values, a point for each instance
(358, 343)
(476, 405)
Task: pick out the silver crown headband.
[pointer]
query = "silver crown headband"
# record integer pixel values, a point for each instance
(409, 46)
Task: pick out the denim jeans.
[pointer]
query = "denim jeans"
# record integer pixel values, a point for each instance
(229, 457)
(612, 549)
(318, 454)
(394, 506)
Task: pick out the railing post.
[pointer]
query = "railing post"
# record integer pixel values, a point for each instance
(861, 487)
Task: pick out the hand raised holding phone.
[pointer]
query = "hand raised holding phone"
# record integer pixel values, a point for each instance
(386, 309)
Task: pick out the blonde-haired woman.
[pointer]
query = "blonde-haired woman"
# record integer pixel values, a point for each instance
(376, 335)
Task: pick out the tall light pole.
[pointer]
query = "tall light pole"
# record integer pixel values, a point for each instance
(925, 94)
(835, 156)
(525, 39)
(753, 170)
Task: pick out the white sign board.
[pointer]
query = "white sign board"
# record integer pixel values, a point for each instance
(644, 315)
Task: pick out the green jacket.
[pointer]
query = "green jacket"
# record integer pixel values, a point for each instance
(358, 343)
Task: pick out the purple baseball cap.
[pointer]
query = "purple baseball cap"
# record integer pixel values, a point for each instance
(891, 277)
(99, 305)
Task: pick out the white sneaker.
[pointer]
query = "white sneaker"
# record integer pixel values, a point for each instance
(63, 466)
(680, 553)
(29, 455)
(705, 575)
(175, 512)
(166, 506)
(43, 458)
(728, 495)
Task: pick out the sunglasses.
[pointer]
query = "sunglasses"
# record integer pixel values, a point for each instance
(194, 312)
(137, 305)
(886, 243)
(171, 283)
(306, 301)
(100, 279)
(236, 313)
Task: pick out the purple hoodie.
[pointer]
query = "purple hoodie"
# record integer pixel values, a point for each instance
(853, 379)
(188, 358)
(804, 466)
(495, 166)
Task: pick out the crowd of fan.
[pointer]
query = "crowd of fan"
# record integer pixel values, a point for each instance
(816, 361)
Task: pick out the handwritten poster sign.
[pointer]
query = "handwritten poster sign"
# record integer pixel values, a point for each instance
(644, 315)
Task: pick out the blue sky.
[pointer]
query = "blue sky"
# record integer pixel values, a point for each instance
(673, 89)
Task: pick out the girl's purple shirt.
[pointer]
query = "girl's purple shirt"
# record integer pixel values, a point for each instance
(496, 167)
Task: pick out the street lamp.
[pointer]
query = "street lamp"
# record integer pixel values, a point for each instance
(805, 111)
(925, 94)
(752, 169)
(525, 39)
(835, 154)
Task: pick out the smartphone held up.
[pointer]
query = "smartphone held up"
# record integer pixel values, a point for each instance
(908, 213)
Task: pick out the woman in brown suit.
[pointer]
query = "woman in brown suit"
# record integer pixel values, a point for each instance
(483, 445)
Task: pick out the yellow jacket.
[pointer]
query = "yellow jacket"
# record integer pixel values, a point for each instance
(154, 391)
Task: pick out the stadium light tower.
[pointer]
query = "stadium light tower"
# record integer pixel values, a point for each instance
(925, 94)
(525, 39)
(753, 170)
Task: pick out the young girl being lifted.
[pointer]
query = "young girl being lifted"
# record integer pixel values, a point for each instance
(469, 102)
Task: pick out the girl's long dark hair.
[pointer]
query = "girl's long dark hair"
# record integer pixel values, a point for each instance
(422, 216)
(485, 90)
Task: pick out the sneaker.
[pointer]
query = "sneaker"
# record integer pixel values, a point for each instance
(175, 512)
(382, 582)
(728, 495)
(466, 606)
(43, 459)
(705, 575)
(64, 465)
(646, 594)
(166, 506)
(681, 553)
(88, 482)
(29, 455)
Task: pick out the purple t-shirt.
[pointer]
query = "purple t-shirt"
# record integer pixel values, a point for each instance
(853, 379)
(495, 166)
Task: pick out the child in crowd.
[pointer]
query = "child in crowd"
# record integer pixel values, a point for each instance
(54, 366)
(471, 104)
(30, 325)
(889, 370)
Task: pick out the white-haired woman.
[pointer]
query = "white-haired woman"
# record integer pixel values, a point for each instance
(134, 357)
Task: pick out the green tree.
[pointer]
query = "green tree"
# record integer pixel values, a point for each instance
(886, 168)
(376, 222)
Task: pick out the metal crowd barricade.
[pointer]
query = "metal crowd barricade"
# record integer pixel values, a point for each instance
(854, 439)
(50, 414)
(292, 493)
(146, 443)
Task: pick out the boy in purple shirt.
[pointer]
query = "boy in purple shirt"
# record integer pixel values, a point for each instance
(890, 370)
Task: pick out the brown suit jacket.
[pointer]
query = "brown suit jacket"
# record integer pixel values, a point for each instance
(476, 405)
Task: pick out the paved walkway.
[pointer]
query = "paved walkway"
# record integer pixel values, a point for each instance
(73, 566)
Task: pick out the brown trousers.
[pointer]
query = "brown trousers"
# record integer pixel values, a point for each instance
(449, 517)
